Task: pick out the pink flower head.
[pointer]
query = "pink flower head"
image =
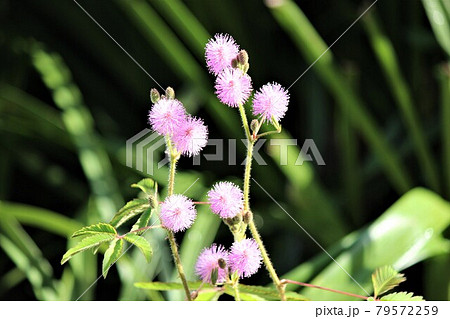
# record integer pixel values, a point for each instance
(233, 87)
(208, 261)
(271, 101)
(219, 53)
(191, 136)
(166, 115)
(226, 199)
(245, 257)
(177, 213)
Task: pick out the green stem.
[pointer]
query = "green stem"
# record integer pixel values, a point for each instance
(273, 274)
(237, 296)
(248, 166)
(245, 122)
(170, 235)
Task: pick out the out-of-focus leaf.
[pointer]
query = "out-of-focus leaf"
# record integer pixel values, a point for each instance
(402, 296)
(111, 255)
(87, 243)
(141, 243)
(165, 286)
(386, 278)
(408, 232)
(439, 16)
(95, 229)
(130, 210)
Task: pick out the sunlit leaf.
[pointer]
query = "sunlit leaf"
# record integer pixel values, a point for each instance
(112, 254)
(130, 210)
(386, 278)
(401, 296)
(141, 243)
(87, 243)
(95, 229)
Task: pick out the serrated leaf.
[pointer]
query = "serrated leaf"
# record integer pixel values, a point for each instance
(147, 185)
(247, 292)
(87, 243)
(112, 254)
(402, 296)
(384, 279)
(142, 221)
(141, 243)
(269, 293)
(130, 210)
(95, 229)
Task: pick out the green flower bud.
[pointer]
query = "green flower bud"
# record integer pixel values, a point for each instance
(254, 125)
(214, 275)
(245, 67)
(248, 216)
(242, 57)
(154, 95)
(170, 93)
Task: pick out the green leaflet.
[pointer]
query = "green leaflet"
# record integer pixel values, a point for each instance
(147, 185)
(141, 243)
(384, 279)
(130, 210)
(142, 221)
(112, 254)
(87, 243)
(402, 296)
(95, 229)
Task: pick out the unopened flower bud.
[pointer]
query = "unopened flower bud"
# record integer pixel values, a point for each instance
(248, 216)
(233, 221)
(154, 95)
(170, 93)
(254, 125)
(222, 263)
(214, 275)
(245, 67)
(194, 294)
(242, 57)
(234, 63)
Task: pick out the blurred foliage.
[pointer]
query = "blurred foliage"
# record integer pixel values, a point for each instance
(377, 106)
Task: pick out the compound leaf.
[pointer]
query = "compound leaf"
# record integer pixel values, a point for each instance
(385, 278)
(87, 243)
(141, 243)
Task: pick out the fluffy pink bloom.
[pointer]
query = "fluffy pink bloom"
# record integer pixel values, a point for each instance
(226, 199)
(208, 261)
(271, 101)
(191, 136)
(233, 87)
(177, 213)
(166, 115)
(245, 257)
(219, 53)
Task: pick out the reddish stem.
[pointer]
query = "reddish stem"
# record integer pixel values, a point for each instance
(288, 281)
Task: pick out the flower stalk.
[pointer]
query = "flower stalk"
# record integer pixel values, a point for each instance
(174, 156)
(254, 231)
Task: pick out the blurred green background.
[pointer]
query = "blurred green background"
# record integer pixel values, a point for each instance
(377, 105)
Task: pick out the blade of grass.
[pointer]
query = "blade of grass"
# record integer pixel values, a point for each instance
(438, 12)
(310, 44)
(444, 78)
(387, 58)
(80, 125)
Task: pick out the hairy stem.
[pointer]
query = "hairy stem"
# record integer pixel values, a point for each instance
(170, 235)
(248, 166)
(288, 281)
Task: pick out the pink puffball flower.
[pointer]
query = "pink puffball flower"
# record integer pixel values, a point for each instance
(219, 53)
(166, 115)
(208, 260)
(271, 101)
(226, 199)
(191, 136)
(245, 257)
(177, 213)
(233, 87)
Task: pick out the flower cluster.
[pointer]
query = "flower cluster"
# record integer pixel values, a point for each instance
(169, 118)
(244, 259)
(233, 84)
